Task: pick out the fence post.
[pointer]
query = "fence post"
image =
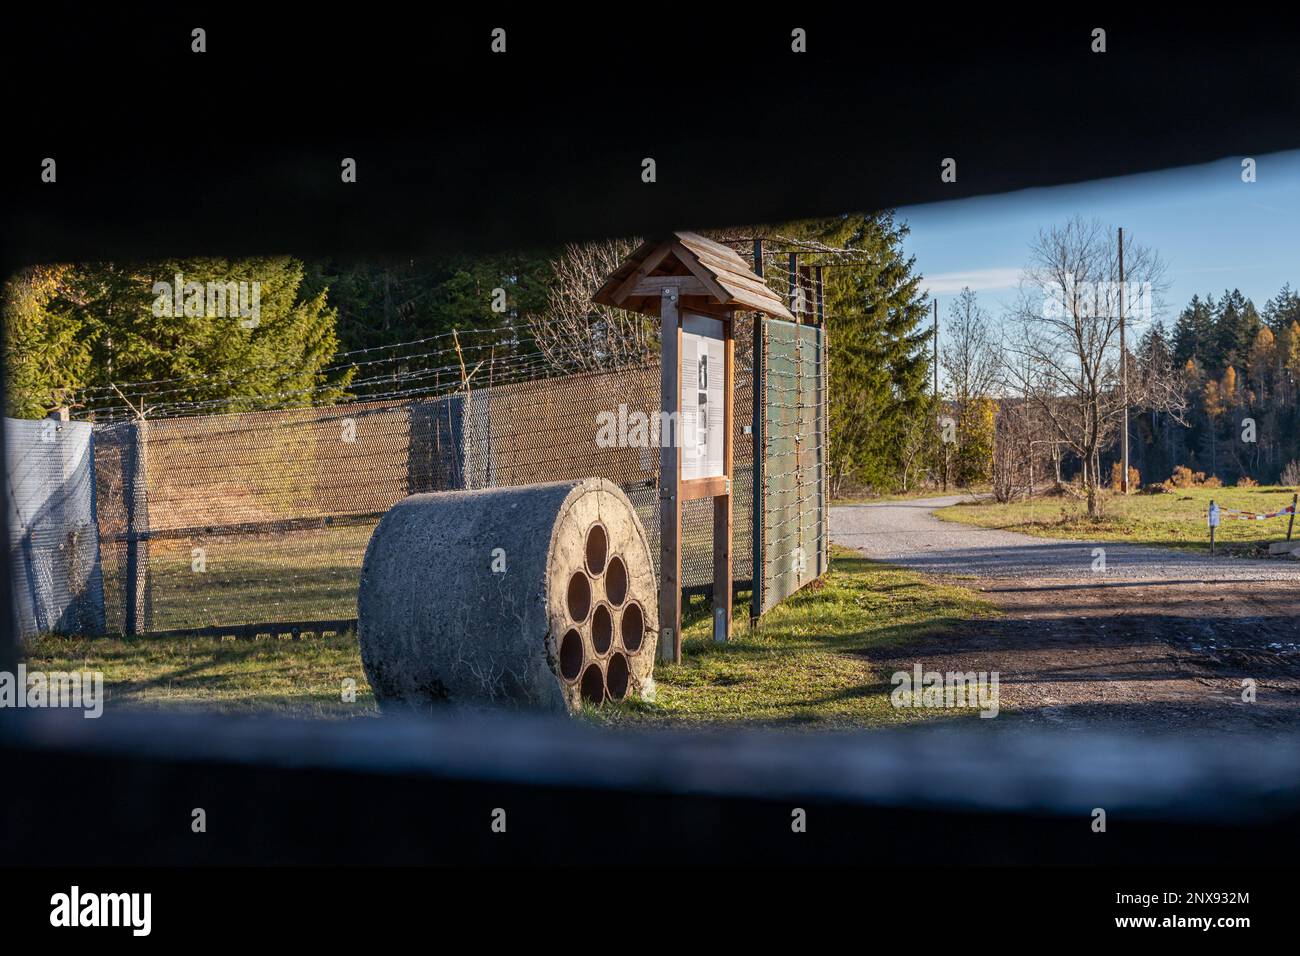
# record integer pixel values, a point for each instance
(135, 489)
(823, 428)
(723, 504)
(670, 478)
(756, 434)
(1212, 519)
(1291, 524)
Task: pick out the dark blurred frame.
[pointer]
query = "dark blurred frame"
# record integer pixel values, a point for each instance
(172, 153)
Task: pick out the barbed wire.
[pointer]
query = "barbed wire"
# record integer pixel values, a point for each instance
(238, 374)
(274, 400)
(268, 365)
(247, 475)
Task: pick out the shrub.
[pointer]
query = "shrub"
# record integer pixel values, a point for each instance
(1184, 477)
(1134, 478)
(1245, 481)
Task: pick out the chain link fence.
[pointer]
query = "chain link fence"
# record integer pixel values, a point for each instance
(794, 532)
(257, 521)
(261, 519)
(53, 549)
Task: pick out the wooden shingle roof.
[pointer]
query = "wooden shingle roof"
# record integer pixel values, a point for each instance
(722, 280)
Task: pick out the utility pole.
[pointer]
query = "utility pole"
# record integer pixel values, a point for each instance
(937, 406)
(936, 349)
(1123, 371)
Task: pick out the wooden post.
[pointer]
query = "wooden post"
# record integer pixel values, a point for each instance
(794, 288)
(823, 390)
(670, 479)
(756, 427)
(820, 297)
(722, 510)
(1123, 374)
(700, 278)
(1291, 524)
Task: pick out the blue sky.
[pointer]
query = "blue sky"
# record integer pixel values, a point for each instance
(1212, 230)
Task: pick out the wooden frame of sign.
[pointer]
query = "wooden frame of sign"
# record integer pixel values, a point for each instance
(686, 276)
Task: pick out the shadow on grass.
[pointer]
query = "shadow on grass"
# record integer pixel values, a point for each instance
(303, 676)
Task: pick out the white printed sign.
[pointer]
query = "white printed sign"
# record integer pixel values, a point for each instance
(703, 374)
(1214, 515)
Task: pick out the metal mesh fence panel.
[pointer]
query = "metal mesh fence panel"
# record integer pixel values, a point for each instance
(237, 520)
(598, 424)
(260, 520)
(794, 538)
(54, 558)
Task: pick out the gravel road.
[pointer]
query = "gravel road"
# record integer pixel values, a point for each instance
(906, 533)
(1162, 641)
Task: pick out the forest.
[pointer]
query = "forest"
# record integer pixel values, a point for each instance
(1214, 390)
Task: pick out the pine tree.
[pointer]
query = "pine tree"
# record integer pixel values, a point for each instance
(201, 349)
(394, 302)
(1194, 330)
(1289, 350)
(1215, 405)
(1235, 325)
(1283, 309)
(879, 355)
(1260, 364)
(46, 354)
(1154, 347)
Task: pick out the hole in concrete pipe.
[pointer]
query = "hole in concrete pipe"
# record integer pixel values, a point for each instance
(618, 676)
(571, 655)
(632, 627)
(579, 597)
(616, 581)
(597, 548)
(602, 629)
(593, 684)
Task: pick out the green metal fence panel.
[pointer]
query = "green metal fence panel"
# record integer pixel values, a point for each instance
(795, 546)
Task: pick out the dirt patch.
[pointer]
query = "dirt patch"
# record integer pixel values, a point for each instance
(1130, 655)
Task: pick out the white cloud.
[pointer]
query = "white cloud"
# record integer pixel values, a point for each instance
(949, 283)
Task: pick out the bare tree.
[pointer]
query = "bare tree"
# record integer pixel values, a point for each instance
(1010, 467)
(916, 450)
(970, 361)
(1025, 454)
(1067, 349)
(970, 357)
(575, 334)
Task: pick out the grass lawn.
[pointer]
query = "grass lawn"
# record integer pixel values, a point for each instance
(302, 678)
(1174, 520)
(804, 666)
(306, 575)
(247, 579)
